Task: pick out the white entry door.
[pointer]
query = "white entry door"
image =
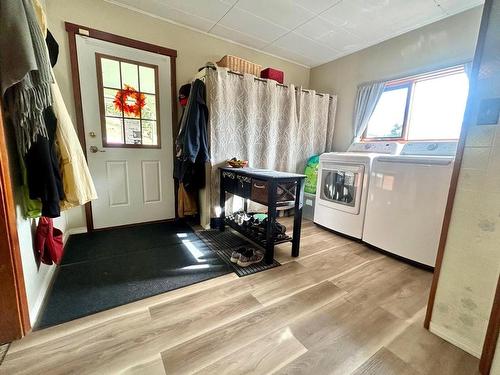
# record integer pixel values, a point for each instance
(126, 101)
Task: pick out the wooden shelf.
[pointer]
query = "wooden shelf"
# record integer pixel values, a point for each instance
(251, 234)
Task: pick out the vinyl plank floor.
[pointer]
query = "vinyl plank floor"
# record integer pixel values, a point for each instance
(339, 308)
(384, 362)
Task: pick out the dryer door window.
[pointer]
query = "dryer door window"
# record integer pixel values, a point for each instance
(341, 186)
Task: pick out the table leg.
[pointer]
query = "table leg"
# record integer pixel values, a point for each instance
(271, 219)
(222, 203)
(297, 219)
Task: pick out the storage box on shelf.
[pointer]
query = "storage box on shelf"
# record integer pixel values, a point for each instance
(273, 74)
(240, 65)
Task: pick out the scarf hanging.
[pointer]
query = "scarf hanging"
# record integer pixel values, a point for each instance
(25, 72)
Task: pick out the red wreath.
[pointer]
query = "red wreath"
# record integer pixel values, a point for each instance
(129, 93)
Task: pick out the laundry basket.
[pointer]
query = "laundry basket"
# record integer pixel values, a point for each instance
(240, 65)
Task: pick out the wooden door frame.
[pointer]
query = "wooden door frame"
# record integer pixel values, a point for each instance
(15, 322)
(491, 338)
(74, 30)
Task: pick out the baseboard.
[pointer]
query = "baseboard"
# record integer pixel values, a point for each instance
(45, 287)
(458, 342)
(72, 231)
(49, 278)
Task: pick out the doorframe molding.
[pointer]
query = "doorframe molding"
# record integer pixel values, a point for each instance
(13, 299)
(491, 338)
(73, 30)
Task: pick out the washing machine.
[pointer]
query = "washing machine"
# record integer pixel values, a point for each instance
(407, 198)
(342, 187)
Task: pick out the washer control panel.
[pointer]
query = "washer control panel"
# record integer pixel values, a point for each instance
(430, 148)
(375, 147)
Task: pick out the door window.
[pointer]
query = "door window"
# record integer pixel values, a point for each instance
(339, 187)
(128, 93)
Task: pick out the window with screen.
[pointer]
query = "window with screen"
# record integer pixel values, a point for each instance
(128, 92)
(424, 107)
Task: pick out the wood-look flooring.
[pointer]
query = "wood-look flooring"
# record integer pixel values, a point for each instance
(340, 308)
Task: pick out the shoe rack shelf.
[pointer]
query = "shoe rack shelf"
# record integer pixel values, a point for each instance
(250, 234)
(270, 188)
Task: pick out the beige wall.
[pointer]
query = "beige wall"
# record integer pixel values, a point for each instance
(194, 48)
(440, 44)
(471, 263)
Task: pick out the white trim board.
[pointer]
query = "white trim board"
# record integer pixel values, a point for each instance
(452, 338)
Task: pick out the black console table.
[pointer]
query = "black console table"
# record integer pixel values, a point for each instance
(271, 188)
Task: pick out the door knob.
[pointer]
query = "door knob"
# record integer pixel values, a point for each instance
(94, 149)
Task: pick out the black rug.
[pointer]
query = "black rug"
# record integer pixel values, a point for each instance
(105, 269)
(224, 243)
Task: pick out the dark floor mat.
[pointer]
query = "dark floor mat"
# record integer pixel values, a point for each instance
(224, 243)
(105, 269)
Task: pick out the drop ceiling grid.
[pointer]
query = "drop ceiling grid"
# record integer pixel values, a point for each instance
(305, 31)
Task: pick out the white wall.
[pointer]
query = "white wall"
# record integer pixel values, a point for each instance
(444, 43)
(37, 276)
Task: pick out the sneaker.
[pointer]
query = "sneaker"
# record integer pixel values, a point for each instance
(249, 257)
(236, 254)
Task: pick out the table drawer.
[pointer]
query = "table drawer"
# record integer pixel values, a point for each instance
(229, 182)
(243, 186)
(260, 189)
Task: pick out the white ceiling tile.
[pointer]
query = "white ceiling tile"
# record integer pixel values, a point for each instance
(238, 36)
(457, 6)
(291, 55)
(330, 35)
(241, 20)
(212, 9)
(160, 9)
(316, 6)
(376, 19)
(310, 32)
(285, 13)
(305, 47)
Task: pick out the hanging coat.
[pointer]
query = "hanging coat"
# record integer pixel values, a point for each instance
(192, 141)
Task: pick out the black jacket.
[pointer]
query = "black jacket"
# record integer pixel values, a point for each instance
(192, 141)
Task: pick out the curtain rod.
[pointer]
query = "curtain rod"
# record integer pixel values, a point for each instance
(262, 80)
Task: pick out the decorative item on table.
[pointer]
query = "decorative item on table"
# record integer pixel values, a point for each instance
(274, 74)
(239, 65)
(236, 163)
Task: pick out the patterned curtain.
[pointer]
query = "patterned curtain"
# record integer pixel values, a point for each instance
(271, 126)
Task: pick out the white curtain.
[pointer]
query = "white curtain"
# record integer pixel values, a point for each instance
(271, 126)
(366, 101)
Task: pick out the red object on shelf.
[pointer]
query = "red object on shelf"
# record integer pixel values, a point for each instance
(274, 74)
